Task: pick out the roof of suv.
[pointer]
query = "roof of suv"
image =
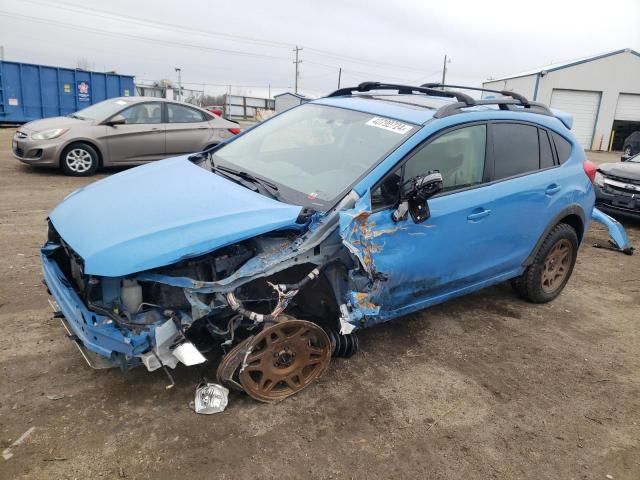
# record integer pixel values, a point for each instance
(416, 109)
(418, 105)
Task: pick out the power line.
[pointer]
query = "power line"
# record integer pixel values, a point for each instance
(140, 38)
(191, 30)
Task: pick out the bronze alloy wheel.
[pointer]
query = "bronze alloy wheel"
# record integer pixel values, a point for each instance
(285, 358)
(557, 266)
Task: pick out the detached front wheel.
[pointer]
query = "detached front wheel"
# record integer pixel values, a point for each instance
(552, 266)
(79, 160)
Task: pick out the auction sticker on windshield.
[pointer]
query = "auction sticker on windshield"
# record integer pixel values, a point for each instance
(391, 125)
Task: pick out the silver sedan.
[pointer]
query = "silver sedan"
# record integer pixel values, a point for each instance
(119, 131)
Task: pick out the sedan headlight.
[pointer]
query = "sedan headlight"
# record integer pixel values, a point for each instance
(49, 134)
(599, 179)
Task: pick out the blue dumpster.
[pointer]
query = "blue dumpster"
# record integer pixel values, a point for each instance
(29, 92)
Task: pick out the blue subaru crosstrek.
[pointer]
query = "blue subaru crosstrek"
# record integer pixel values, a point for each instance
(270, 251)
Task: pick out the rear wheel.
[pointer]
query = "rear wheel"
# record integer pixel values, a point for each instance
(552, 266)
(79, 160)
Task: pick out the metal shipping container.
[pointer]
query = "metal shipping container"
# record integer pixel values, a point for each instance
(29, 92)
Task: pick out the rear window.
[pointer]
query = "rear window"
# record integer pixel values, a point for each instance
(563, 147)
(515, 149)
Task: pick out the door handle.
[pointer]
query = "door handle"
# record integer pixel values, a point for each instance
(552, 189)
(478, 214)
(156, 130)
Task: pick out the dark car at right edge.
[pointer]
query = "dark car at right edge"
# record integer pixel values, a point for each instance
(617, 187)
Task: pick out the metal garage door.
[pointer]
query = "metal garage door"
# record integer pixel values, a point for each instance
(583, 106)
(628, 107)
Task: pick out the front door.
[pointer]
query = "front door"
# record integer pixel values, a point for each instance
(141, 138)
(414, 265)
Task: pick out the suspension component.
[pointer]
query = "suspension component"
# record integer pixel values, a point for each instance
(342, 346)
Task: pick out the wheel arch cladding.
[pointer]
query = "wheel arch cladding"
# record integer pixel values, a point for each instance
(573, 215)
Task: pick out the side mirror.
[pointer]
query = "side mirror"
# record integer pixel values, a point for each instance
(116, 120)
(414, 195)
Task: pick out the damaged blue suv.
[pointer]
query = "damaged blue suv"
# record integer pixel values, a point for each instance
(272, 249)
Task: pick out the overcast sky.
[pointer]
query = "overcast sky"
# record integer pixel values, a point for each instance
(250, 42)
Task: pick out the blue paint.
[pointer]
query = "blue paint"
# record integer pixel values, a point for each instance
(160, 213)
(97, 332)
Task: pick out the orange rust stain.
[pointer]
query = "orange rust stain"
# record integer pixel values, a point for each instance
(363, 301)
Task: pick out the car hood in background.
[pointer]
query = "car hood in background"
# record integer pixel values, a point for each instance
(160, 213)
(53, 122)
(630, 170)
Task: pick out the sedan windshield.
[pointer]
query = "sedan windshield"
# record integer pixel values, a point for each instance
(101, 110)
(314, 153)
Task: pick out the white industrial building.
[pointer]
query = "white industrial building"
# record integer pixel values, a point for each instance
(602, 92)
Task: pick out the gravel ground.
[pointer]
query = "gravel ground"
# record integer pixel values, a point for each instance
(485, 386)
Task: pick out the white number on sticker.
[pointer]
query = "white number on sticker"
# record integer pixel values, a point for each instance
(391, 125)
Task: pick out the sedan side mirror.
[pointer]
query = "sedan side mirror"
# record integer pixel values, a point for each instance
(415, 193)
(116, 120)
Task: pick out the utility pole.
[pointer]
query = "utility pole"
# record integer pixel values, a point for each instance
(269, 91)
(339, 76)
(444, 69)
(297, 61)
(179, 70)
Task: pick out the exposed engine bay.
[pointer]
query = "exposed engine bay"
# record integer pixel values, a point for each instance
(273, 307)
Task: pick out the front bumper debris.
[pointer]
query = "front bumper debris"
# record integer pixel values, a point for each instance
(618, 237)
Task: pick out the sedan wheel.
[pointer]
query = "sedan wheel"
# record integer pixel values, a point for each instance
(627, 151)
(79, 160)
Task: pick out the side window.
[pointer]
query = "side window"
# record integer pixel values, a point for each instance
(182, 114)
(143, 113)
(459, 156)
(515, 149)
(546, 157)
(563, 147)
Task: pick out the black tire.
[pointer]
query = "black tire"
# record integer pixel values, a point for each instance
(552, 266)
(79, 160)
(628, 150)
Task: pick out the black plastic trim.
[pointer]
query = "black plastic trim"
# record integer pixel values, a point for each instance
(573, 209)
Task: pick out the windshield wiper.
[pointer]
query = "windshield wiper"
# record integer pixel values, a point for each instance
(269, 187)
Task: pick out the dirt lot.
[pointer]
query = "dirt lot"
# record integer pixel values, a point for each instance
(485, 386)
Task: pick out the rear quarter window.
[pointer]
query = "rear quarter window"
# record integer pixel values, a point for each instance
(563, 147)
(546, 155)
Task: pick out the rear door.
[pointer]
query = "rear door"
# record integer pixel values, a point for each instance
(526, 188)
(188, 129)
(141, 139)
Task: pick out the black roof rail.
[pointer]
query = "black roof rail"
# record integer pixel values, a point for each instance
(521, 98)
(462, 98)
(510, 104)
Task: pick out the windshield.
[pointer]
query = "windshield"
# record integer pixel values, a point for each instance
(101, 110)
(315, 152)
